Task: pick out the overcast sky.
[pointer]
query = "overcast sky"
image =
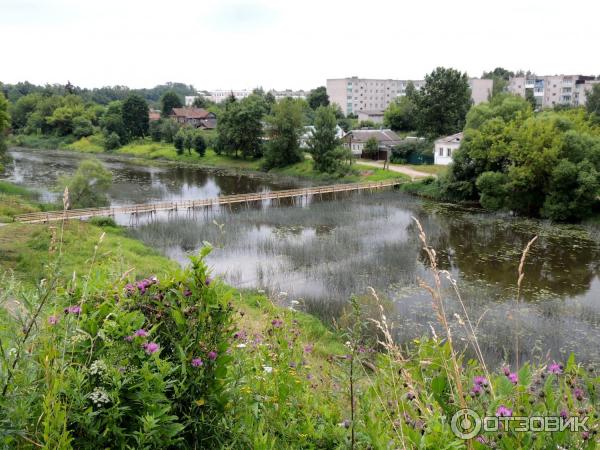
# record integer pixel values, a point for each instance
(232, 44)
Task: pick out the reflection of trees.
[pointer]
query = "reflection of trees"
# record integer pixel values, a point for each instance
(486, 249)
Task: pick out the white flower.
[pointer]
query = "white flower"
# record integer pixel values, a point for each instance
(241, 346)
(268, 369)
(99, 397)
(98, 367)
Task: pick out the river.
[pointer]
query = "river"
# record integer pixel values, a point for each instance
(315, 254)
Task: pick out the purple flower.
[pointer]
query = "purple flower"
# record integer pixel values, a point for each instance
(129, 338)
(241, 335)
(73, 309)
(187, 293)
(129, 289)
(514, 379)
(197, 362)
(555, 368)
(410, 396)
(506, 370)
(308, 348)
(564, 414)
(151, 347)
(207, 281)
(585, 435)
(292, 364)
(476, 390)
(480, 381)
(52, 320)
(503, 411)
(141, 333)
(212, 355)
(578, 393)
(277, 323)
(346, 423)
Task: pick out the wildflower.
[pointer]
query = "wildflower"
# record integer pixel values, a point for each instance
(585, 435)
(187, 293)
(506, 370)
(268, 369)
(98, 367)
(503, 411)
(555, 368)
(129, 289)
(292, 364)
(73, 309)
(345, 423)
(513, 377)
(128, 338)
(52, 320)
(578, 393)
(410, 396)
(151, 347)
(197, 362)
(277, 323)
(480, 381)
(242, 345)
(159, 296)
(207, 281)
(564, 414)
(308, 348)
(99, 397)
(141, 333)
(212, 355)
(241, 335)
(476, 389)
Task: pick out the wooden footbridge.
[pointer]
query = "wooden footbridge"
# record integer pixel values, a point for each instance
(191, 205)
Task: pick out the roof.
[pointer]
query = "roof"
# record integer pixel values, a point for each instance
(380, 135)
(190, 113)
(154, 115)
(452, 139)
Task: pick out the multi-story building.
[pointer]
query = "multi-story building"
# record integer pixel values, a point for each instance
(362, 94)
(220, 95)
(553, 90)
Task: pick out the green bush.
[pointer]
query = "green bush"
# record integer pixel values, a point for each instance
(102, 221)
(112, 141)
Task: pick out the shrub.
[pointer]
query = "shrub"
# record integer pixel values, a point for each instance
(112, 141)
(198, 143)
(179, 141)
(155, 130)
(102, 221)
(82, 127)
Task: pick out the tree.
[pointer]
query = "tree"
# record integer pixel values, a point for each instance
(112, 141)
(168, 130)
(400, 114)
(112, 121)
(500, 77)
(593, 100)
(367, 124)
(168, 101)
(285, 128)
(530, 97)
(318, 97)
(89, 185)
(135, 116)
(155, 130)
(82, 127)
(505, 106)
(442, 104)
(240, 128)
(199, 143)
(179, 141)
(371, 147)
(323, 142)
(4, 123)
(200, 102)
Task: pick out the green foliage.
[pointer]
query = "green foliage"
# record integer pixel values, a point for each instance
(112, 122)
(135, 116)
(199, 143)
(412, 149)
(545, 164)
(82, 127)
(324, 146)
(168, 101)
(401, 114)
(318, 97)
(240, 126)
(285, 128)
(593, 100)
(4, 123)
(367, 124)
(89, 185)
(155, 130)
(100, 221)
(112, 141)
(168, 130)
(179, 141)
(442, 104)
(500, 77)
(371, 147)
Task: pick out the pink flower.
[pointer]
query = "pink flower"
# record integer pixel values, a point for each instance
(578, 393)
(128, 338)
(151, 347)
(187, 293)
(197, 362)
(73, 309)
(212, 355)
(514, 379)
(277, 323)
(503, 411)
(555, 368)
(480, 381)
(129, 290)
(476, 390)
(141, 333)
(308, 348)
(506, 370)
(52, 320)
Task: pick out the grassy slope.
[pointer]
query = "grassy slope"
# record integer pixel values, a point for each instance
(15, 200)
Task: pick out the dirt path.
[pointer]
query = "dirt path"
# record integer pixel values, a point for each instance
(396, 168)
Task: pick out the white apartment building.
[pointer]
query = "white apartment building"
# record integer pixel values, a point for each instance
(553, 90)
(220, 95)
(363, 94)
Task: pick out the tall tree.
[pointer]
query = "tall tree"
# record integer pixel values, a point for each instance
(401, 114)
(285, 128)
(593, 100)
(324, 141)
(500, 76)
(89, 185)
(135, 116)
(442, 104)
(240, 128)
(318, 97)
(168, 101)
(4, 122)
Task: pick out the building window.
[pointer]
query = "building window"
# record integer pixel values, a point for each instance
(441, 151)
(448, 152)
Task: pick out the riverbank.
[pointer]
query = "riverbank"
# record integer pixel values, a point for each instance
(146, 149)
(285, 380)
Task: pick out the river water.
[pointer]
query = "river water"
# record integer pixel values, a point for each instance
(314, 254)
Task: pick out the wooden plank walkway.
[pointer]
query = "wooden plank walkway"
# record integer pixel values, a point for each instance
(52, 216)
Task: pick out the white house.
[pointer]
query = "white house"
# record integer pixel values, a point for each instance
(445, 147)
(309, 130)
